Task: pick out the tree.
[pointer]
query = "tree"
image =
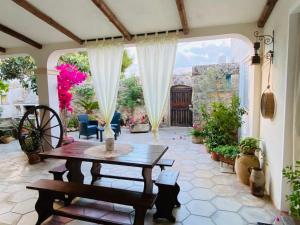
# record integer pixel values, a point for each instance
(131, 94)
(21, 68)
(126, 62)
(79, 59)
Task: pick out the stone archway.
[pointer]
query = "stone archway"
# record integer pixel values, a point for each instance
(180, 102)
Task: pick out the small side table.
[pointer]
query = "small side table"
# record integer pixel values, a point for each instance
(101, 129)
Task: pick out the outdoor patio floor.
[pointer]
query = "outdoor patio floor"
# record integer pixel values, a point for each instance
(208, 196)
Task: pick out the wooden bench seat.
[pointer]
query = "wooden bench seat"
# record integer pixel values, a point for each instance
(167, 197)
(162, 163)
(48, 190)
(59, 171)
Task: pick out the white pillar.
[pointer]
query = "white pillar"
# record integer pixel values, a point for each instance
(47, 88)
(254, 99)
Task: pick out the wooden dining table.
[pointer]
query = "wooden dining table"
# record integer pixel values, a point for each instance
(142, 155)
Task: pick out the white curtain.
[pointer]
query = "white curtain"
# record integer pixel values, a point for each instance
(156, 59)
(105, 63)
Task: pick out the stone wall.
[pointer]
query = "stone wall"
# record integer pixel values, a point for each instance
(210, 83)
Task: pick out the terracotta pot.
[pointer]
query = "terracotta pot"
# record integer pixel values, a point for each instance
(257, 182)
(197, 140)
(6, 139)
(215, 156)
(228, 161)
(242, 165)
(33, 158)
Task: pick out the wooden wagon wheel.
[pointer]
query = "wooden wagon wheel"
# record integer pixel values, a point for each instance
(40, 129)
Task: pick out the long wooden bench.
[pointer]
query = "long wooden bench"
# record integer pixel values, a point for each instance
(59, 171)
(167, 198)
(48, 190)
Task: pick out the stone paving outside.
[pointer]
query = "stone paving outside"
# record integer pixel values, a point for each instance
(208, 195)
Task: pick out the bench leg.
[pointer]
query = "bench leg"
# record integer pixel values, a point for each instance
(139, 216)
(44, 206)
(176, 192)
(95, 172)
(164, 204)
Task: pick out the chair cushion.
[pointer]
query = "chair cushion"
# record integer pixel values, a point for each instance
(92, 127)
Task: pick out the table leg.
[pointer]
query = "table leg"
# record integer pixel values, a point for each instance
(101, 135)
(95, 171)
(148, 184)
(74, 168)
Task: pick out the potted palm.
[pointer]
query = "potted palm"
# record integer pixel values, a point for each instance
(246, 159)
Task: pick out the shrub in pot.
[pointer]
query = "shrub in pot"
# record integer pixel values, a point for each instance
(246, 159)
(31, 146)
(197, 134)
(227, 153)
(221, 123)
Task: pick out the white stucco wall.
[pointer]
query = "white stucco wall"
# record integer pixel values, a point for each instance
(273, 131)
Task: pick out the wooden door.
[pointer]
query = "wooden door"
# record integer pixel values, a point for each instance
(181, 99)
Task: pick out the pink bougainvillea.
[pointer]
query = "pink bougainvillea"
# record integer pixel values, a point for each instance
(68, 77)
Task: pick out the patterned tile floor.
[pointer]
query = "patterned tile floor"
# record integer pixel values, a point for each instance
(210, 195)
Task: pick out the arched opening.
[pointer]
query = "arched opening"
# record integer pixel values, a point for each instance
(180, 103)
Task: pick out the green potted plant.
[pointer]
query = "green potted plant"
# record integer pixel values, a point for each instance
(227, 153)
(221, 123)
(246, 159)
(292, 175)
(197, 134)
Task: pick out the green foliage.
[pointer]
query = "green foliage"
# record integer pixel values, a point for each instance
(132, 95)
(88, 105)
(73, 122)
(293, 178)
(228, 151)
(31, 142)
(3, 87)
(21, 68)
(221, 124)
(126, 62)
(248, 145)
(197, 131)
(79, 59)
(84, 91)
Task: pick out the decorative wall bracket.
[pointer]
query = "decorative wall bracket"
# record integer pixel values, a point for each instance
(268, 40)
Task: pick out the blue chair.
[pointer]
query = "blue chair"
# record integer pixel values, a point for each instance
(87, 127)
(116, 123)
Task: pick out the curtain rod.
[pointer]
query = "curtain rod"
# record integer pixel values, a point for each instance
(137, 35)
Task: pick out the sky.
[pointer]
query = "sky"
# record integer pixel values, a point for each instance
(190, 54)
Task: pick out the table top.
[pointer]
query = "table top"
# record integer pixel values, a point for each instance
(142, 155)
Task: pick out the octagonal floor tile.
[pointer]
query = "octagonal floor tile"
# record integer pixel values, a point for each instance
(181, 213)
(203, 182)
(224, 190)
(184, 197)
(226, 203)
(25, 206)
(248, 199)
(223, 217)
(197, 220)
(9, 218)
(226, 180)
(6, 207)
(254, 215)
(203, 173)
(185, 185)
(201, 208)
(202, 194)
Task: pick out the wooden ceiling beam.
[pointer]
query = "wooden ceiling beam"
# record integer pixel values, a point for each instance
(38, 13)
(112, 18)
(182, 14)
(264, 16)
(2, 49)
(19, 36)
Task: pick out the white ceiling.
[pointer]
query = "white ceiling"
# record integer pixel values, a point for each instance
(86, 21)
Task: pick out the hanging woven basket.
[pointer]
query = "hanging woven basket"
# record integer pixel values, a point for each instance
(267, 104)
